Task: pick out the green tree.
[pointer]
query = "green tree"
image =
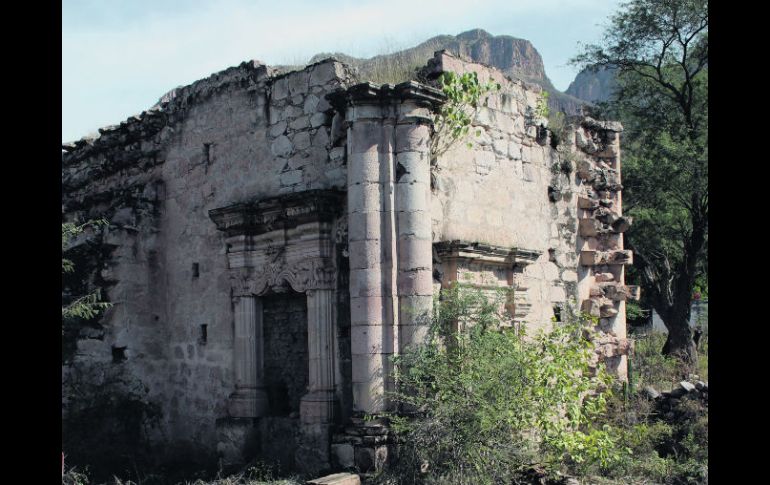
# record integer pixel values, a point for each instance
(659, 49)
(83, 307)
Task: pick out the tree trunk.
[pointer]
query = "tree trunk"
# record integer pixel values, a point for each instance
(680, 343)
(676, 318)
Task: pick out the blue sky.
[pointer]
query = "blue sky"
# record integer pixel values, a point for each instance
(120, 56)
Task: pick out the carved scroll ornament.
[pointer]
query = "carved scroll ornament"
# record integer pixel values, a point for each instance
(304, 275)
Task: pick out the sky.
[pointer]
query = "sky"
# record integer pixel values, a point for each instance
(120, 56)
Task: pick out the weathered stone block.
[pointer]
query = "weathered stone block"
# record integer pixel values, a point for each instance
(590, 227)
(325, 72)
(300, 123)
(366, 282)
(373, 338)
(590, 307)
(280, 89)
(587, 203)
(282, 146)
(343, 455)
(617, 256)
(318, 119)
(278, 129)
(415, 283)
(608, 311)
(291, 178)
(601, 277)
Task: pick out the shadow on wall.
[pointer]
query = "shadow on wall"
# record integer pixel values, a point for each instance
(107, 421)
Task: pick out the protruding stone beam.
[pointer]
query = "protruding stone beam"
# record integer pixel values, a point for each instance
(613, 257)
(616, 291)
(486, 253)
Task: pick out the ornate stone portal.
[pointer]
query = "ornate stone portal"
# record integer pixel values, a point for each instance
(273, 246)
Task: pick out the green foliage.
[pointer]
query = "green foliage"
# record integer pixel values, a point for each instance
(88, 306)
(464, 96)
(653, 368)
(666, 448)
(485, 401)
(557, 124)
(541, 109)
(72, 476)
(635, 314)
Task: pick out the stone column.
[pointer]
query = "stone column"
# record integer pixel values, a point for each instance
(374, 115)
(371, 329)
(415, 246)
(249, 399)
(318, 405)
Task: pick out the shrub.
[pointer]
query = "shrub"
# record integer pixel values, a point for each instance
(483, 402)
(668, 445)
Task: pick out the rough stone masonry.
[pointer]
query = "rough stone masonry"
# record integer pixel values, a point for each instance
(273, 239)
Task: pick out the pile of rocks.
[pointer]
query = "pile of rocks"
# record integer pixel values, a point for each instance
(667, 402)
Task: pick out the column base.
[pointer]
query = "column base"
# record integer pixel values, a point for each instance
(237, 442)
(318, 407)
(364, 446)
(248, 403)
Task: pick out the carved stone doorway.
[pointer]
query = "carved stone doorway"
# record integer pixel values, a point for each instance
(275, 246)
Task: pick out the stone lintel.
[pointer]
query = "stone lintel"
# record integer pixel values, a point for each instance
(278, 213)
(487, 253)
(371, 93)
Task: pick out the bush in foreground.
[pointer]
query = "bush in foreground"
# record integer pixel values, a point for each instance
(486, 403)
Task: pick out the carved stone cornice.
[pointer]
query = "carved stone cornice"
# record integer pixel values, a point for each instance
(370, 93)
(277, 213)
(495, 255)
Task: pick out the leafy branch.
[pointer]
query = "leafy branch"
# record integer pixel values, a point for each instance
(464, 96)
(88, 306)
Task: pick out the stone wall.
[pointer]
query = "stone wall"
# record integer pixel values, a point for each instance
(237, 135)
(553, 197)
(499, 191)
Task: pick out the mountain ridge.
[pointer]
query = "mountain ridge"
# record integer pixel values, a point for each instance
(514, 56)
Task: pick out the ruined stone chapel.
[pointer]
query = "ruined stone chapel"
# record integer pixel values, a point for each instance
(274, 238)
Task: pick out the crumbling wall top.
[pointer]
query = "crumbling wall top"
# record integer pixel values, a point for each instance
(171, 107)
